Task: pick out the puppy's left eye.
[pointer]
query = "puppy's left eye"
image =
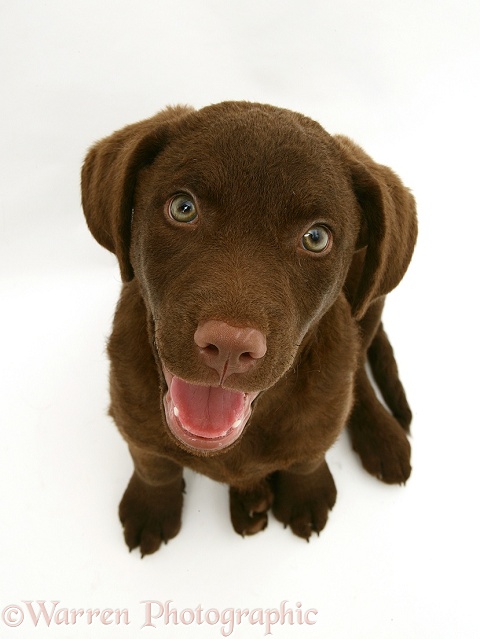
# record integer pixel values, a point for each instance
(317, 239)
(182, 209)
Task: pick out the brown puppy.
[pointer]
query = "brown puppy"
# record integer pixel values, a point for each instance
(256, 251)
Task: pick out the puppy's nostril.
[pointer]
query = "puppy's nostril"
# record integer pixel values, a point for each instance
(214, 351)
(211, 349)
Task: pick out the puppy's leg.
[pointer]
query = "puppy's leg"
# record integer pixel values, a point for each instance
(377, 436)
(151, 507)
(249, 507)
(303, 497)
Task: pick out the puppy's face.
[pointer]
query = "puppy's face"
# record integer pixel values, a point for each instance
(243, 231)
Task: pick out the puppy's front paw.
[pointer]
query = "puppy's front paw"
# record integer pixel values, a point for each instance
(303, 501)
(150, 515)
(248, 508)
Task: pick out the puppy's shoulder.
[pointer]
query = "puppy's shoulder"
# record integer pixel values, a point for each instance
(129, 338)
(337, 333)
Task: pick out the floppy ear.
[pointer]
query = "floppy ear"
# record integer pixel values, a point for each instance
(389, 226)
(109, 176)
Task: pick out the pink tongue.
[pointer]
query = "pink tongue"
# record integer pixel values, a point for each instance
(207, 411)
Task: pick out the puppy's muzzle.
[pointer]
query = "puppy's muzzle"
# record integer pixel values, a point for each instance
(206, 419)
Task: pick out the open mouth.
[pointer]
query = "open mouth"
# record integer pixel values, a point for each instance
(205, 418)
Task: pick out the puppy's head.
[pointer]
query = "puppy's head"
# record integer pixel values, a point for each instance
(240, 222)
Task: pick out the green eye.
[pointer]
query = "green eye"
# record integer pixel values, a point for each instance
(182, 209)
(317, 239)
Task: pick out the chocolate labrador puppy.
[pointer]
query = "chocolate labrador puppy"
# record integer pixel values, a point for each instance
(255, 251)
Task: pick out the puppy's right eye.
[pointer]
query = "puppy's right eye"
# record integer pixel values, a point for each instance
(318, 239)
(182, 208)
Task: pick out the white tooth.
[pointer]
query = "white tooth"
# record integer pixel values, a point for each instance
(175, 411)
(237, 423)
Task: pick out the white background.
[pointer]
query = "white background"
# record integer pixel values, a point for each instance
(402, 79)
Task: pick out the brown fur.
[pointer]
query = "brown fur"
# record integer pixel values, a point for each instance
(261, 176)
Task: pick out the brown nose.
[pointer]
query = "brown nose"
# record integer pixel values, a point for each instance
(229, 349)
